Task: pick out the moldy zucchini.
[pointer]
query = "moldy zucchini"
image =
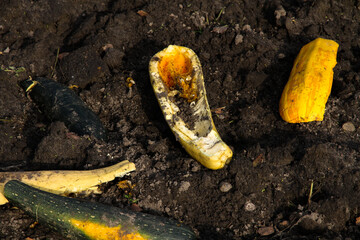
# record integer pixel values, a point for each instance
(177, 79)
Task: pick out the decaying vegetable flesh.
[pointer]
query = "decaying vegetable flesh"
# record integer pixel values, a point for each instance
(66, 181)
(176, 70)
(177, 79)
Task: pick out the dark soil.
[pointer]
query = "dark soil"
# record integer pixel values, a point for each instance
(264, 191)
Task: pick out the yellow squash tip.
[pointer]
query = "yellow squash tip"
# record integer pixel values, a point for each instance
(214, 154)
(178, 82)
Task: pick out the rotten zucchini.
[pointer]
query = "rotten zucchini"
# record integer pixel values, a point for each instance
(60, 103)
(177, 79)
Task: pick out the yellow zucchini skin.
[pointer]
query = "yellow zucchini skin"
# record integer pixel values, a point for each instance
(308, 88)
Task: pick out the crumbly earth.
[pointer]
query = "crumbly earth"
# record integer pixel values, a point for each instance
(247, 49)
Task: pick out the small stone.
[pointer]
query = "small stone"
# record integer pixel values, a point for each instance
(107, 46)
(247, 28)
(184, 186)
(7, 50)
(198, 20)
(249, 206)
(281, 56)
(266, 231)
(225, 187)
(239, 39)
(348, 127)
(279, 12)
(195, 167)
(220, 29)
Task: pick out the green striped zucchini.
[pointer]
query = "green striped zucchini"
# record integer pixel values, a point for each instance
(76, 219)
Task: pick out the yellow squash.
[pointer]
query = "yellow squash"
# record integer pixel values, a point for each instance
(307, 91)
(63, 182)
(178, 82)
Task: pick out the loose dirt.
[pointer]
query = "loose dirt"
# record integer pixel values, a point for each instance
(246, 49)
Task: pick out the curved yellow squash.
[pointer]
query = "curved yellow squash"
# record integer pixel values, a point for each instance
(177, 79)
(307, 91)
(66, 181)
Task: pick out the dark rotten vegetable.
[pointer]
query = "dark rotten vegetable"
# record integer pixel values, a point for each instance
(77, 219)
(60, 103)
